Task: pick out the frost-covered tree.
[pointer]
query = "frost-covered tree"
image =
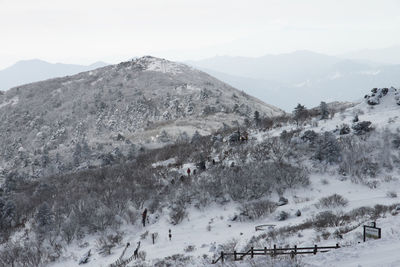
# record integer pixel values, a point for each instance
(8, 213)
(196, 137)
(323, 107)
(44, 215)
(327, 148)
(300, 114)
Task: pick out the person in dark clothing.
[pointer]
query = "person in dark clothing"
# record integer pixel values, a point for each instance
(188, 171)
(144, 215)
(136, 252)
(169, 234)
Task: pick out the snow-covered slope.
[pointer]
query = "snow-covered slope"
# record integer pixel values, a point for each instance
(102, 113)
(207, 231)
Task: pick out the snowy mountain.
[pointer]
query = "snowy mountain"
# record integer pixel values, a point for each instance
(301, 77)
(35, 70)
(309, 179)
(154, 163)
(99, 117)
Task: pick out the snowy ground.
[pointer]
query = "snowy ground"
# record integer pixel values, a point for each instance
(194, 230)
(207, 229)
(373, 253)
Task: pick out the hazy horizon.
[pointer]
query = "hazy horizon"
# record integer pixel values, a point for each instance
(76, 32)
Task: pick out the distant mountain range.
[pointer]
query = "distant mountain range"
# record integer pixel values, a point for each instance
(301, 77)
(389, 55)
(35, 70)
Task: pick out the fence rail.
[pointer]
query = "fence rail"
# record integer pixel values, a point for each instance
(274, 252)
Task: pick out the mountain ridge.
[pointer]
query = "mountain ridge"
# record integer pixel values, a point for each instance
(95, 117)
(34, 70)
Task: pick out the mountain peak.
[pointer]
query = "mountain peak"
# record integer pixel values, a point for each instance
(114, 107)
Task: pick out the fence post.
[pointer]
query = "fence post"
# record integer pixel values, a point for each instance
(364, 234)
(315, 249)
(234, 255)
(252, 252)
(265, 250)
(222, 256)
(274, 249)
(295, 249)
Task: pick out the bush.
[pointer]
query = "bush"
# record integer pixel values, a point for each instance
(309, 136)
(177, 214)
(344, 129)
(326, 219)
(391, 194)
(106, 244)
(332, 201)
(257, 209)
(190, 248)
(283, 215)
(362, 127)
(327, 148)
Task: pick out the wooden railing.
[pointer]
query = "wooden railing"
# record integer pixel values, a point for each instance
(120, 262)
(274, 252)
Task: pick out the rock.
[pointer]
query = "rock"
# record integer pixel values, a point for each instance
(85, 258)
(282, 201)
(283, 215)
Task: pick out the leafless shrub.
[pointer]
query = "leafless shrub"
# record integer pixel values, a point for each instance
(177, 213)
(324, 181)
(144, 235)
(230, 245)
(391, 194)
(325, 235)
(190, 248)
(106, 244)
(258, 208)
(332, 201)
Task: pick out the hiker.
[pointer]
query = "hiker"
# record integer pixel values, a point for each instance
(128, 244)
(144, 215)
(136, 252)
(188, 171)
(169, 234)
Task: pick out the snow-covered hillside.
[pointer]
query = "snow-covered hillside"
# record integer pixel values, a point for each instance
(314, 181)
(99, 117)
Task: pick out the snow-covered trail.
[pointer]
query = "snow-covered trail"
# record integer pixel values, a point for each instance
(379, 253)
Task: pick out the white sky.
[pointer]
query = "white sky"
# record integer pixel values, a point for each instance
(84, 31)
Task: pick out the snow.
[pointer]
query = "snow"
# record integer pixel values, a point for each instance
(193, 230)
(207, 229)
(164, 163)
(161, 65)
(13, 101)
(382, 252)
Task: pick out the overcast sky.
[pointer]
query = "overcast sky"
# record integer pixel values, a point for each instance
(84, 31)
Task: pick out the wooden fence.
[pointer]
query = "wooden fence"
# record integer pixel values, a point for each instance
(274, 252)
(121, 263)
